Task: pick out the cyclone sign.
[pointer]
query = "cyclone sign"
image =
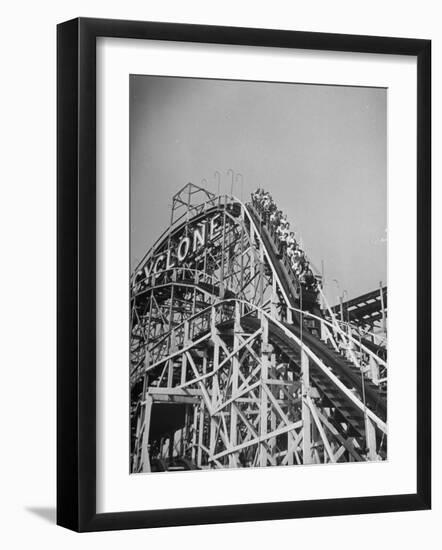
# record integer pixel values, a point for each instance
(177, 252)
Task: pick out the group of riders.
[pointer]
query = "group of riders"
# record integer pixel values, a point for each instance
(286, 241)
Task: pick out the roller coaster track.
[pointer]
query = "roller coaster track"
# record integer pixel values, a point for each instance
(233, 362)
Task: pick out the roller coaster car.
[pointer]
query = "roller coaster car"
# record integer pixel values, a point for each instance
(175, 464)
(234, 208)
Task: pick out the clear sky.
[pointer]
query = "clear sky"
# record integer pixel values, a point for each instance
(319, 150)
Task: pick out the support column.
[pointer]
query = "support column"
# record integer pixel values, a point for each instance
(374, 370)
(184, 355)
(306, 418)
(261, 274)
(273, 310)
(170, 363)
(289, 316)
(201, 420)
(234, 381)
(384, 317)
(145, 458)
(263, 393)
(273, 390)
(194, 431)
(199, 455)
(370, 438)
(212, 441)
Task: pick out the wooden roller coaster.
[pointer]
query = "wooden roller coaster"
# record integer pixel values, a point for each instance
(236, 363)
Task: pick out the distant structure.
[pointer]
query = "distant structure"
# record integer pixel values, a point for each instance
(237, 360)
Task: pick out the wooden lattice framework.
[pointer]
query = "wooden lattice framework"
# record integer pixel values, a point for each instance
(232, 363)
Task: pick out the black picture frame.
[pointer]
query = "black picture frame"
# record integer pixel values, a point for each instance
(76, 273)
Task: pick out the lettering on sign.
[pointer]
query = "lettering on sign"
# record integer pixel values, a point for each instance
(201, 234)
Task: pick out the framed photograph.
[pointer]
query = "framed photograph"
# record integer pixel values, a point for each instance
(243, 274)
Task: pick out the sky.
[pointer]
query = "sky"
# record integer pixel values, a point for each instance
(321, 151)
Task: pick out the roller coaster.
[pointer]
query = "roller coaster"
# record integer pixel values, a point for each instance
(235, 362)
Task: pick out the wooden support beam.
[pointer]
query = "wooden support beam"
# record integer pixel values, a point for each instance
(145, 459)
(234, 377)
(263, 394)
(307, 457)
(184, 356)
(154, 391)
(370, 438)
(344, 442)
(261, 439)
(320, 429)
